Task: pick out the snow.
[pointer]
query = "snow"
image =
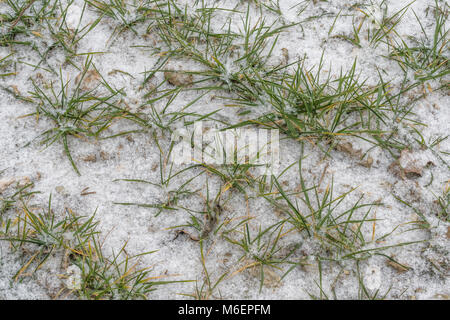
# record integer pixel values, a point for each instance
(138, 158)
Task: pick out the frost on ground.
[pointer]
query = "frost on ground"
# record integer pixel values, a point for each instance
(92, 91)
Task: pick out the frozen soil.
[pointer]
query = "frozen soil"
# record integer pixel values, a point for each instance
(404, 184)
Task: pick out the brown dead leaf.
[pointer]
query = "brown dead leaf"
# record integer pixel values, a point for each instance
(61, 190)
(347, 148)
(105, 156)
(90, 80)
(397, 266)
(90, 158)
(15, 89)
(178, 79)
(285, 54)
(5, 183)
(271, 278)
(409, 165)
(23, 181)
(148, 86)
(368, 162)
(396, 170)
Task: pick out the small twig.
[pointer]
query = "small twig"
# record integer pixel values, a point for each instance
(85, 193)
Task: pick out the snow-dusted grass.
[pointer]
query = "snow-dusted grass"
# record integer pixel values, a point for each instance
(93, 90)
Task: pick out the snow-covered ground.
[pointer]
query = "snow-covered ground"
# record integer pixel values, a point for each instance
(403, 184)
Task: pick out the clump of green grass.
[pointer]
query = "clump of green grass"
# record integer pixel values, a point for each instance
(21, 26)
(46, 235)
(338, 231)
(74, 110)
(340, 236)
(230, 59)
(42, 28)
(209, 288)
(427, 55)
(262, 251)
(364, 293)
(127, 15)
(302, 104)
(17, 22)
(204, 222)
(167, 175)
(115, 277)
(66, 37)
(7, 201)
(305, 106)
(379, 29)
